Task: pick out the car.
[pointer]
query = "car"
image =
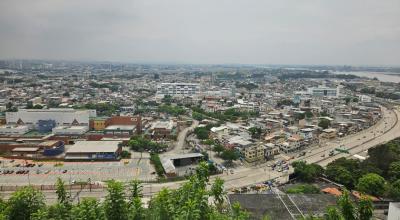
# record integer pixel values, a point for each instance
(17, 165)
(64, 171)
(11, 172)
(26, 172)
(12, 161)
(232, 172)
(47, 171)
(40, 165)
(37, 171)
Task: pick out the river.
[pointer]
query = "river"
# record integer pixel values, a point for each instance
(384, 77)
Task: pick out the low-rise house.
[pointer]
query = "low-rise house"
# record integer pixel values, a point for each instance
(163, 129)
(328, 133)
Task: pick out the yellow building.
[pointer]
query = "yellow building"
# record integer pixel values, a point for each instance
(254, 153)
(98, 124)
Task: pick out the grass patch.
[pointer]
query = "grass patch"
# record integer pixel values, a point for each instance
(303, 189)
(58, 165)
(155, 160)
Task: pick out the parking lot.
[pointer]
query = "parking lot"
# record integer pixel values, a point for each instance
(21, 172)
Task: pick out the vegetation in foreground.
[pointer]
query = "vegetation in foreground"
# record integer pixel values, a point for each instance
(378, 175)
(190, 202)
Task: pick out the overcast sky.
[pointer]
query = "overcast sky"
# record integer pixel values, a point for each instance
(355, 32)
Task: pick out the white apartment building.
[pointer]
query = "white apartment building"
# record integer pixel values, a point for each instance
(178, 89)
(364, 98)
(324, 91)
(61, 116)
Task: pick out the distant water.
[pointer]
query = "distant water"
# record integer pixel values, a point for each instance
(384, 77)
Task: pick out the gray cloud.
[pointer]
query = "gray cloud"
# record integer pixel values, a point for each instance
(207, 31)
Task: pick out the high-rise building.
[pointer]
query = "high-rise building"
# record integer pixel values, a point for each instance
(324, 91)
(178, 89)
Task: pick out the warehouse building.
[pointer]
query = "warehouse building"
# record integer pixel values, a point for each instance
(70, 130)
(13, 129)
(170, 163)
(35, 118)
(94, 150)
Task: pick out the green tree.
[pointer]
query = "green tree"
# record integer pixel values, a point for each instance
(208, 142)
(37, 106)
(332, 214)
(299, 116)
(324, 123)
(140, 143)
(347, 100)
(217, 191)
(135, 189)
(230, 155)
(238, 213)
(371, 183)
(167, 99)
(24, 202)
(197, 116)
(126, 154)
(307, 172)
(346, 206)
(218, 148)
(394, 170)
(62, 196)
(136, 210)
(255, 132)
(162, 205)
(382, 156)
(201, 133)
(394, 190)
(365, 209)
(41, 214)
(66, 94)
(88, 209)
(115, 206)
(309, 114)
(29, 105)
(340, 174)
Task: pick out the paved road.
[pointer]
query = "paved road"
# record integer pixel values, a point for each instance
(179, 146)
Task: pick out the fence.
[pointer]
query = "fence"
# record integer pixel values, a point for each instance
(53, 187)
